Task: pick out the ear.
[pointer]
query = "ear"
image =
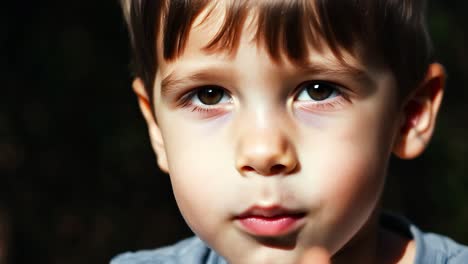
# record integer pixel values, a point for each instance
(154, 132)
(420, 112)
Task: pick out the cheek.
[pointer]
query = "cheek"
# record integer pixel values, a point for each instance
(356, 151)
(349, 173)
(358, 156)
(346, 166)
(354, 184)
(199, 165)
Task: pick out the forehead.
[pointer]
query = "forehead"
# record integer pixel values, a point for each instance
(285, 29)
(203, 40)
(200, 58)
(198, 64)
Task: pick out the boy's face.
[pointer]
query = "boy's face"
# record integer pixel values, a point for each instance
(267, 159)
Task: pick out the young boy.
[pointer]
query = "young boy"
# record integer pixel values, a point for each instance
(276, 119)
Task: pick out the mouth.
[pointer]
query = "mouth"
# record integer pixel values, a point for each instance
(270, 221)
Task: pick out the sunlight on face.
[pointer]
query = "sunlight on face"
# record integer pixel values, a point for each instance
(267, 159)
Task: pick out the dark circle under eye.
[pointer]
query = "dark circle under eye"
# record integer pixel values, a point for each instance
(210, 95)
(320, 91)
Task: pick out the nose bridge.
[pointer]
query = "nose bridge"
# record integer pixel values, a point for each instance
(263, 117)
(264, 144)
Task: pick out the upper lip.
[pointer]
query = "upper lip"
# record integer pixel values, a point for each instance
(270, 211)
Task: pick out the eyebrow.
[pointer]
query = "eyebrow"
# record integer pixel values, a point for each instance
(175, 79)
(359, 75)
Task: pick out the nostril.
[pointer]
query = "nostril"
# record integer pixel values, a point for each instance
(247, 169)
(276, 169)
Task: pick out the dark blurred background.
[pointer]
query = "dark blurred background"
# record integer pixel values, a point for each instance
(78, 178)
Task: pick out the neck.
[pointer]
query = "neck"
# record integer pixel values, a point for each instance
(375, 244)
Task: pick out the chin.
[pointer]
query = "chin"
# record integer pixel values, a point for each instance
(266, 255)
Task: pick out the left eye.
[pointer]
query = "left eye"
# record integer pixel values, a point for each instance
(317, 91)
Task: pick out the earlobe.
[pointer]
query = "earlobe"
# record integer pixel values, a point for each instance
(157, 141)
(419, 114)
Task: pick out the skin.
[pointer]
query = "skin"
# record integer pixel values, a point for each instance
(267, 143)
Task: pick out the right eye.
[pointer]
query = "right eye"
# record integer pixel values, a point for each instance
(210, 95)
(207, 101)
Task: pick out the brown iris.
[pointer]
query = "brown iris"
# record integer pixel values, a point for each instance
(210, 95)
(320, 91)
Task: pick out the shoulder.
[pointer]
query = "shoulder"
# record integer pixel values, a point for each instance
(430, 248)
(440, 249)
(191, 250)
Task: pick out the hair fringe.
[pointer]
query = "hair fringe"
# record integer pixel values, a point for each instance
(393, 31)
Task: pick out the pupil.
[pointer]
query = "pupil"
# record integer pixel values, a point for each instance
(210, 95)
(319, 92)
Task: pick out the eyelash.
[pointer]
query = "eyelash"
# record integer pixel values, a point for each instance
(186, 101)
(339, 99)
(328, 104)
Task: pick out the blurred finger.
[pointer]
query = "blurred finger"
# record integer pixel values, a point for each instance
(315, 255)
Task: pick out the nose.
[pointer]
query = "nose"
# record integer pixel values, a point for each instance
(266, 151)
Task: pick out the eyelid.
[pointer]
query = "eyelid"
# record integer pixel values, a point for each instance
(186, 97)
(328, 105)
(203, 111)
(341, 90)
(331, 83)
(341, 98)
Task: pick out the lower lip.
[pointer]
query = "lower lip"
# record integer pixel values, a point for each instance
(271, 226)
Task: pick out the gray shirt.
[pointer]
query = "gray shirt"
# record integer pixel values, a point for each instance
(430, 249)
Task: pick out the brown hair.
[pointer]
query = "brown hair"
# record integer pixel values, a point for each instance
(392, 32)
